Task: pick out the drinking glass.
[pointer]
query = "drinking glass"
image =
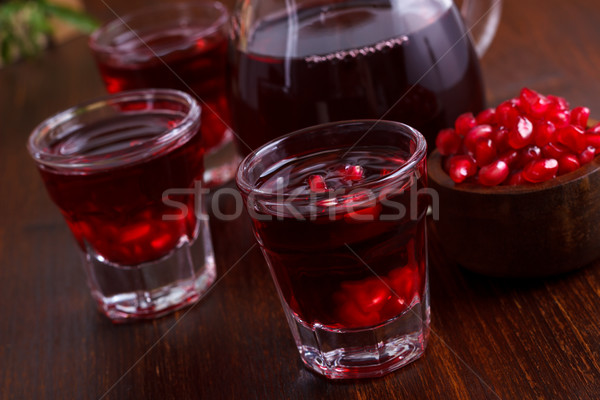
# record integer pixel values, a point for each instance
(125, 172)
(339, 213)
(178, 46)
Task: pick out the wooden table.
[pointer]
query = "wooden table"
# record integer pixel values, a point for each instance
(490, 338)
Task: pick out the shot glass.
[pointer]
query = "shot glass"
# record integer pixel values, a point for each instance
(179, 46)
(125, 172)
(339, 213)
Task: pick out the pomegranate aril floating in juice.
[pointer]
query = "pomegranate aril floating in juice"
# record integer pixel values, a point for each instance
(353, 172)
(317, 183)
(527, 139)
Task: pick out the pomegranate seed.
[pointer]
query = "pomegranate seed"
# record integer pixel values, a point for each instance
(511, 157)
(475, 134)
(507, 114)
(527, 155)
(487, 116)
(462, 167)
(516, 179)
(405, 284)
(349, 312)
(592, 139)
(485, 152)
(533, 136)
(559, 102)
(534, 103)
(493, 174)
(560, 118)
(370, 294)
(594, 129)
(540, 170)
(500, 138)
(464, 123)
(580, 116)
(543, 133)
(353, 172)
(448, 142)
(567, 163)
(317, 184)
(572, 137)
(521, 134)
(554, 150)
(587, 155)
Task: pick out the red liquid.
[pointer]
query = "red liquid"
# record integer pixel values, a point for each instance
(354, 63)
(336, 268)
(197, 68)
(118, 212)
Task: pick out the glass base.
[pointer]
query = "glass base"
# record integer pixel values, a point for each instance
(221, 162)
(363, 353)
(153, 289)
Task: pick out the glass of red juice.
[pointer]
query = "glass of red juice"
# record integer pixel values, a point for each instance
(125, 170)
(179, 46)
(339, 213)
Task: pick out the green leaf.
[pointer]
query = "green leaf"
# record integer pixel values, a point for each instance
(5, 49)
(78, 19)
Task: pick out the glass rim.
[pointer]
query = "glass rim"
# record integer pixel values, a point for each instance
(418, 155)
(127, 156)
(126, 19)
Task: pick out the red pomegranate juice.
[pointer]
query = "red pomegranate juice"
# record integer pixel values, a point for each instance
(353, 261)
(170, 59)
(120, 213)
(352, 63)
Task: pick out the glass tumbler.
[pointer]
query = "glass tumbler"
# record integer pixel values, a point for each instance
(339, 213)
(125, 171)
(179, 46)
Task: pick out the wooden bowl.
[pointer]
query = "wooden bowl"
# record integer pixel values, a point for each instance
(520, 231)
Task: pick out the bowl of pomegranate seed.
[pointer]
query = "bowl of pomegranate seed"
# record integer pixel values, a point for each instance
(519, 188)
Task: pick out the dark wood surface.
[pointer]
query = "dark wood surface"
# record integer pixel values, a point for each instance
(491, 338)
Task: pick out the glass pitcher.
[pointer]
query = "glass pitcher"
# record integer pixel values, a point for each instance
(296, 63)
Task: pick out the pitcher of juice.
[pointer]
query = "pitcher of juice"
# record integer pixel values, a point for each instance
(297, 63)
